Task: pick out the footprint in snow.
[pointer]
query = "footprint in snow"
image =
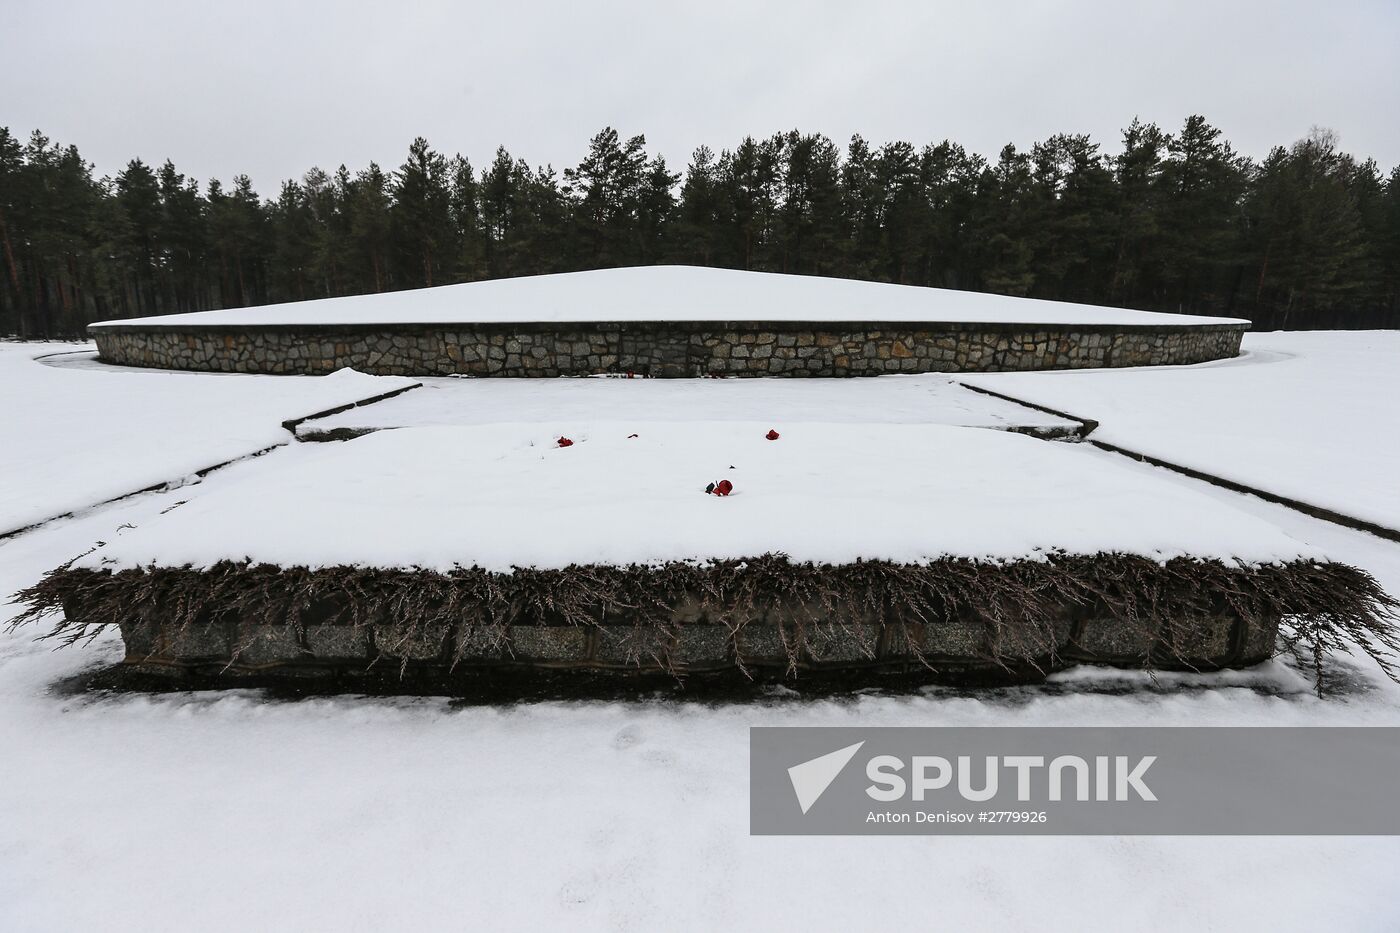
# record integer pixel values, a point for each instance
(627, 737)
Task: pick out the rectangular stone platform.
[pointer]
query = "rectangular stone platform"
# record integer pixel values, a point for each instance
(894, 547)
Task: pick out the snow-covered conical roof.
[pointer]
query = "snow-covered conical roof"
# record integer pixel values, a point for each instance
(673, 293)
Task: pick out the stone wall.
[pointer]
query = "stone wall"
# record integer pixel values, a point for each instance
(667, 349)
(949, 652)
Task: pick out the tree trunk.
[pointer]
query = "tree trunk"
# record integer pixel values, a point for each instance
(10, 257)
(1263, 271)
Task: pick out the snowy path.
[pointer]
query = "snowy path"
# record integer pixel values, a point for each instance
(931, 399)
(1309, 416)
(72, 436)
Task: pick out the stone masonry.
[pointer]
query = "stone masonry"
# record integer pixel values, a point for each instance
(235, 648)
(666, 349)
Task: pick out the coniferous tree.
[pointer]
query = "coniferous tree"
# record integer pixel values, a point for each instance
(12, 180)
(1006, 229)
(138, 233)
(1076, 232)
(295, 249)
(238, 234)
(542, 222)
(864, 203)
(1136, 225)
(369, 227)
(1388, 247)
(184, 239)
(950, 179)
(700, 214)
(905, 214)
(620, 201)
(810, 228)
(1309, 228)
(749, 181)
(656, 209)
(466, 221)
(1367, 188)
(422, 215)
(1202, 183)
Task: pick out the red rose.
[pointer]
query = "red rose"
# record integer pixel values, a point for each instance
(772, 435)
(564, 442)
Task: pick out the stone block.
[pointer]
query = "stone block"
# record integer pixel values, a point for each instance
(643, 646)
(965, 639)
(196, 641)
(337, 642)
(1259, 643)
(834, 643)
(267, 644)
(762, 642)
(1114, 640)
(481, 643)
(140, 639)
(411, 643)
(549, 642)
(702, 645)
(1204, 639)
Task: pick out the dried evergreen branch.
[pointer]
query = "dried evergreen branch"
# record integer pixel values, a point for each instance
(1021, 607)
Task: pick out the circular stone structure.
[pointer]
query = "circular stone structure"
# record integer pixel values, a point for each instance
(670, 321)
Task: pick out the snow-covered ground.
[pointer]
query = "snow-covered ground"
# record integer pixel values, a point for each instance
(673, 293)
(73, 437)
(896, 399)
(1310, 416)
(236, 811)
(231, 811)
(506, 495)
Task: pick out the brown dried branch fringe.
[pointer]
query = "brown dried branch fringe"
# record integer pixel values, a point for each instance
(1021, 606)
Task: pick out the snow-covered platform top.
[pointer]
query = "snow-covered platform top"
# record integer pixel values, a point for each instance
(504, 496)
(672, 293)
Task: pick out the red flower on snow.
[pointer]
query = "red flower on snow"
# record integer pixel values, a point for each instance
(723, 488)
(564, 442)
(772, 435)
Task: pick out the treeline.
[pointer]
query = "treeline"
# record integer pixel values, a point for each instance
(1309, 237)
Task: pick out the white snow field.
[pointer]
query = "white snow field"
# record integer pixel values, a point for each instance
(1310, 415)
(238, 811)
(673, 293)
(895, 399)
(503, 496)
(70, 438)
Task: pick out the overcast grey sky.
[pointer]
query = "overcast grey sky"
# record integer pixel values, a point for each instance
(273, 88)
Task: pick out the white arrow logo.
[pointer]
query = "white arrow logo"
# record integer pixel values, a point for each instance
(811, 778)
